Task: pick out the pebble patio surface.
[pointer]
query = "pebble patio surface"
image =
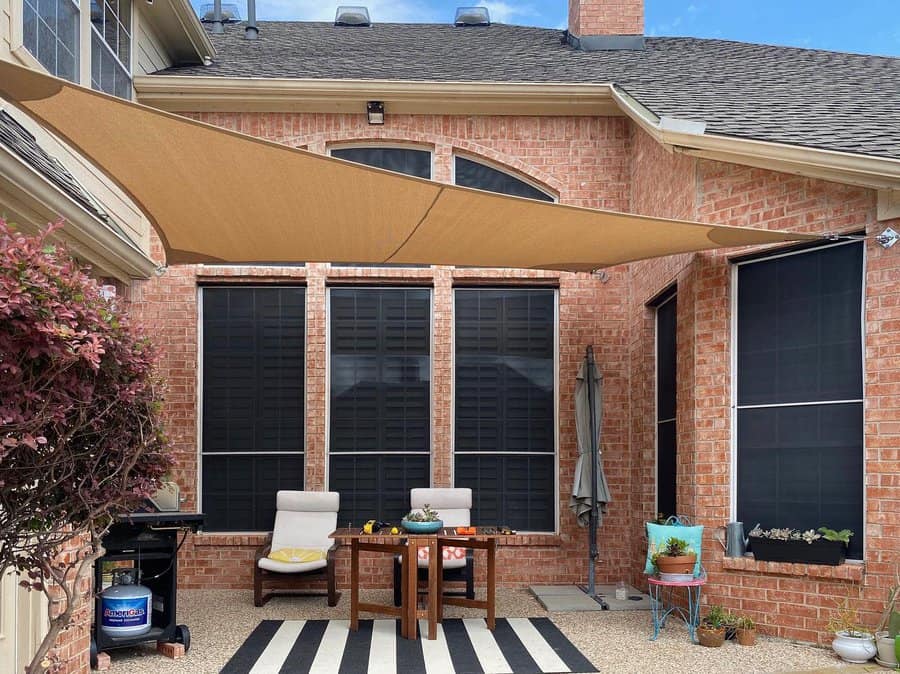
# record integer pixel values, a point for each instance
(615, 641)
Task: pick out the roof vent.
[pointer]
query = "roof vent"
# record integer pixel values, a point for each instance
(354, 15)
(230, 13)
(472, 16)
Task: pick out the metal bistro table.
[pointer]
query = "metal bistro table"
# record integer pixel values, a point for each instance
(662, 603)
(485, 538)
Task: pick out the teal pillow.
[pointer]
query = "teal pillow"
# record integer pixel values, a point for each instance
(658, 534)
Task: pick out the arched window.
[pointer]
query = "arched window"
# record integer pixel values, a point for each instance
(409, 160)
(471, 173)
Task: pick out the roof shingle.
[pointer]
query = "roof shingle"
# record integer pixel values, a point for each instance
(826, 100)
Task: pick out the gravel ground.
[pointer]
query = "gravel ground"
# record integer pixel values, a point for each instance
(615, 641)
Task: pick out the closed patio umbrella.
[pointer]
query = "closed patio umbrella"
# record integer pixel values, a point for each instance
(590, 492)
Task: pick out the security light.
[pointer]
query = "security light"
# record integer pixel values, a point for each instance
(375, 112)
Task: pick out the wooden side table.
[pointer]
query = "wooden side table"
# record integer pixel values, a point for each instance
(662, 603)
(355, 604)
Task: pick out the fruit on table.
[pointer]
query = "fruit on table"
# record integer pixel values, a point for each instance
(395, 531)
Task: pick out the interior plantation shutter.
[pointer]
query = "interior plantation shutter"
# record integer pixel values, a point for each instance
(380, 400)
(504, 405)
(253, 373)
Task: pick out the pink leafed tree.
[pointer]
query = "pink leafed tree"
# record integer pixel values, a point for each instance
(80, 434)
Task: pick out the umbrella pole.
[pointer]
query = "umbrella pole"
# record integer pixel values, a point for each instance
(592, 525)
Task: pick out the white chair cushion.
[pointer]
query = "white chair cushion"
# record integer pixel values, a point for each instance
(305, 519)
(289, 567)
(454, 558)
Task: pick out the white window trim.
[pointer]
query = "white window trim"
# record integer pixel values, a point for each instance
(453, 452)
(20, 52)
(477, 159)
(734, 374)
(431, 402)
(199, 399)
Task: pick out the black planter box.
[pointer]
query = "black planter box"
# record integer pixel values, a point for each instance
(819, 551)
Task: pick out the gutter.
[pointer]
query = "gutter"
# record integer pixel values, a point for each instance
(178, 93)
(41, 202)
(690, 138)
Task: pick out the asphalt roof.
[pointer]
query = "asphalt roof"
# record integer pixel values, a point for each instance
(825, 100)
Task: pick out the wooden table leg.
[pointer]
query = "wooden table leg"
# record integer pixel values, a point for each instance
(440, 584)
(412, 587)
(354, 585)
(491, 584)
(435, 571)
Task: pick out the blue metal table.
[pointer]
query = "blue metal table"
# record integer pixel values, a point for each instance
(662, 603)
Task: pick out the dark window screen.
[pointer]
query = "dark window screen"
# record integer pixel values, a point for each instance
(480, 176)
(504, 401)
(380, 408)
(666, 448)
(399, 159)
(253, 403)
(799, 347)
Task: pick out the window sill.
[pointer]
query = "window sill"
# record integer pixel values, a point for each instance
(226, 540)
(853, 572)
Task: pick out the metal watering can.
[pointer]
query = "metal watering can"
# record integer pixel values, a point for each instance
(732, 538)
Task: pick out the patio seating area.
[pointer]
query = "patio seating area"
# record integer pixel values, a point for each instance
(614, 641)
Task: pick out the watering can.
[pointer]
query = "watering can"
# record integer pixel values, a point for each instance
(732, 538)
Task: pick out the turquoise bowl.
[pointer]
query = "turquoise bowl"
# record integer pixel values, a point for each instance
(421, 527)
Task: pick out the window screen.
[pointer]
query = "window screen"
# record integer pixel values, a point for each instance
(380, 399)
(400, 159)
(799, 391)
(666, 449)
(480, 176)
(253, 403)
(504, 395)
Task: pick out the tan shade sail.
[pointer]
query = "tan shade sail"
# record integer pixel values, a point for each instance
(219, 196)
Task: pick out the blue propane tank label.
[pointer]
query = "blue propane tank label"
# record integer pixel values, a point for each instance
(130, 612)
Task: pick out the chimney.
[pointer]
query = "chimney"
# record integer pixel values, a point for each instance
(606, 24)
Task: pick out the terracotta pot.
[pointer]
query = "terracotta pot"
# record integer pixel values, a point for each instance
(746, 637)
(711, 636)
(681, 564)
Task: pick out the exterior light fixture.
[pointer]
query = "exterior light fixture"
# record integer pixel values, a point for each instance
(375, 112)
(887, 238)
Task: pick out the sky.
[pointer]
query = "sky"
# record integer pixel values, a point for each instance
(862, 26)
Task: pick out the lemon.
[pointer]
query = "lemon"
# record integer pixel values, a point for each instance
(395, 531)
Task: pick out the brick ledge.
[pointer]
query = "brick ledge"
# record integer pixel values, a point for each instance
(851, 572)
(254, 540)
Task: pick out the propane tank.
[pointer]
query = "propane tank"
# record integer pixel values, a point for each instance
(125, 605)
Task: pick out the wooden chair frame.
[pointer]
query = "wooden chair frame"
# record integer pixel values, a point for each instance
(267, 584)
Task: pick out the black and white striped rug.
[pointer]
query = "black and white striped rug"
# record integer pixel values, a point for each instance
(463, 646)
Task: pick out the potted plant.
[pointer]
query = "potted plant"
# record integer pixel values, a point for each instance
(746, 631)
(424, 521)
(675, 557)
(886, 636)
(826, 546)
(731, 625)
(711, 630)
(853, 642)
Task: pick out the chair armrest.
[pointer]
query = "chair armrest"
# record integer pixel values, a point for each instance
(264, 549)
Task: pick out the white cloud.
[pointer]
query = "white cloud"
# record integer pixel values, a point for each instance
(502, 12)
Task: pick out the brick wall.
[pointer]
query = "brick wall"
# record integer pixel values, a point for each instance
(606, 17)
(791, 601)
(586, 162)
(606, 163)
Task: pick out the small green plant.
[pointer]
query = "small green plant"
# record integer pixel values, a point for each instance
(673, 547)
(746, 623)
(831, 535)
(426, 514)
(715, 617)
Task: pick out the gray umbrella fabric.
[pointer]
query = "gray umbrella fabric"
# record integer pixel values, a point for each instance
(580, 501)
